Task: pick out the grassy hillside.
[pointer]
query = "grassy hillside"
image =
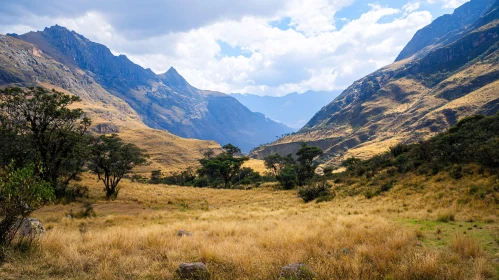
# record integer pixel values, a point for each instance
(251, 234)
(407, 101)
(22, 63)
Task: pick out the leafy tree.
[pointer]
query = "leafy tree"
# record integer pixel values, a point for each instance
(21, 192)
(224, 166)
(288, 176)
(306, 155)
(111, 159)
(276, 162)
(273, 163)
(37, 126)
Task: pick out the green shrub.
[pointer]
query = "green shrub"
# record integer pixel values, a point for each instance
(317, 190)
(456, 172)
(288, 177)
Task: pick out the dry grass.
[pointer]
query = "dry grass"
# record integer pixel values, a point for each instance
(248, 234)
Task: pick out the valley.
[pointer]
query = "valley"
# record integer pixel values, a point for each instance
(209, 140)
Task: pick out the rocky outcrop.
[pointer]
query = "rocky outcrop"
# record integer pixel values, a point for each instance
(31, 227)
(193, 271)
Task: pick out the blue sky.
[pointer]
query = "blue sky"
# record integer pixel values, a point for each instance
(265, 47)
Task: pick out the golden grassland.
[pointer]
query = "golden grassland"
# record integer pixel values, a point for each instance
(251, 234)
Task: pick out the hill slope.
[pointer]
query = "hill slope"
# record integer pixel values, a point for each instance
(293, 110)
(409, 100)
(165, 101)
(24, 64)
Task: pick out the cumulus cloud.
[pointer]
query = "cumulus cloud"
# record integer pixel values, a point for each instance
(312, 53)
(448, 4)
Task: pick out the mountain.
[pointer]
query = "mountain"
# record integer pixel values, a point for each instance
(293, 110)
(445, 29)
(414, 98)
(24, 64)
(166, 101)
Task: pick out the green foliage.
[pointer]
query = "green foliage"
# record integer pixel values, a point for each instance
(223, 167)
(288, 177)
(472, 140)
(181, 178)
(37, 126)
(290, 173)
(155, 177)
(111, 159)
(21, 192)
(317, 190)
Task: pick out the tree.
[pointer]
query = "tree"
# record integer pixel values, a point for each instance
(288, 177)
(111, 159)
(306, 155)
(273, 162)
(21, 192)
(223, 166)
(276, 162)
(37, 126)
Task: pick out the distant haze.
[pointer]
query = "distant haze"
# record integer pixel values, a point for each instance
(293, 110)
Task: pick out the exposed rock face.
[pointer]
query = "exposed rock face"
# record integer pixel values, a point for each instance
(446, 27)
(31, 227)
(409, 100)
(297, 271)
(193, 271)
(106, 128)
(165, 101)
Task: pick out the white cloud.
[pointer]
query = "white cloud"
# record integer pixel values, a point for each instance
(312, 55)
(448, 4)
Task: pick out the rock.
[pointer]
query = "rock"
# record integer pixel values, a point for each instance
(297, 271)
(181, 233)
(106, 128)
(31, 227)
(193, 271)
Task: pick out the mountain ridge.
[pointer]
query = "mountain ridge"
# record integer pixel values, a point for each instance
(409, 100)
(166, 101)
(24, 64)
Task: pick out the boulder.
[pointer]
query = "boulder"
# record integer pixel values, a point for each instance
(297, 271)
(181, 233)
(31, 227)
(193, 271)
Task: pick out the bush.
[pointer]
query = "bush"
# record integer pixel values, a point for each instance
(21, 192)
(318, 190)
(456, 172)
(75, 192)
(201, 182)
(288, 177)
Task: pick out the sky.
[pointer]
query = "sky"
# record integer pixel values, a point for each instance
(264, 47)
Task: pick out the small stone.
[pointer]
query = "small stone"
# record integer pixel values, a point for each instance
(193, 271)
(181, 233)
(297, 271)
(31, 227)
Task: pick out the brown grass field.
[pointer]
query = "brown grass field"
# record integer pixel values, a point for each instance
(421, 229)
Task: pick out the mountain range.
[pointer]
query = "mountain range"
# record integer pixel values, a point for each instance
(165, 101)
(449, 70)
(293, 109)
